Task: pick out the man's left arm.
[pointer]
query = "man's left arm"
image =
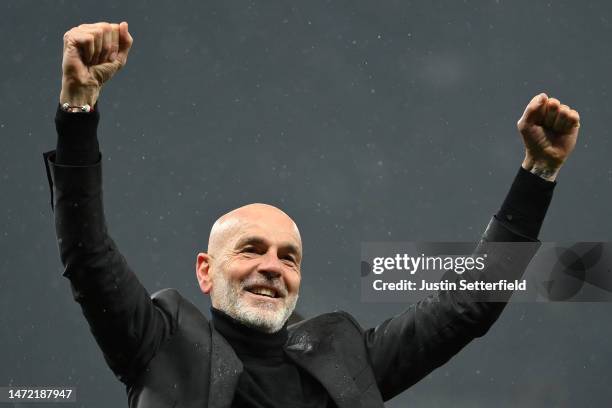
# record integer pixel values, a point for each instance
(405, 348)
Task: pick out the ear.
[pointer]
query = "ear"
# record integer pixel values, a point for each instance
(203, 272)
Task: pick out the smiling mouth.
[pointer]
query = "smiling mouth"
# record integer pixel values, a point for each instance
(264, 292)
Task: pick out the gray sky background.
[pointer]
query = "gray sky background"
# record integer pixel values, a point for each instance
(365, 121)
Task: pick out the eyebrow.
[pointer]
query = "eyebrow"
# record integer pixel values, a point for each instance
(254, 240)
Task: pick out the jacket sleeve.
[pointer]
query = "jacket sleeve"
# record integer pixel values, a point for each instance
(405, 348)
(125, 322)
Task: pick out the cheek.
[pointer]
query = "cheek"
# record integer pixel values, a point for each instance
(236, 270)
(293, 282)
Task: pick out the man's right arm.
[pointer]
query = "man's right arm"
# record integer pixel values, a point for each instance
(405, 348)
(126, 323)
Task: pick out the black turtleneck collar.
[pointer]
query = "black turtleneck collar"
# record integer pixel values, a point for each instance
(246, 341)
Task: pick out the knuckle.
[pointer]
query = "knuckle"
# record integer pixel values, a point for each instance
(94, 33)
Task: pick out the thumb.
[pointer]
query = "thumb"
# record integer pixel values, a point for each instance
(104, 72)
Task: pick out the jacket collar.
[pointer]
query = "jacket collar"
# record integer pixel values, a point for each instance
(225, 369)
(321, 360)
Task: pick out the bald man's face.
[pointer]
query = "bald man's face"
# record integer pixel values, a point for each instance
(252, 269)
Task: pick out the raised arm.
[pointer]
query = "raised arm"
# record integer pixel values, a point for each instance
(405, 348)
(127, 324)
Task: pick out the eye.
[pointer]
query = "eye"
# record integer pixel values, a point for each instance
(249, 250)
(289, 258)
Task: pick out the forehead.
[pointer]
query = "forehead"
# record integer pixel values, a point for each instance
(270, 231)
(265, 227)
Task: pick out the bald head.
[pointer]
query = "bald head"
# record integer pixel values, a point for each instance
(236, 223)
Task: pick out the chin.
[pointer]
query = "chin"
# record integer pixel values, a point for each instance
(266, 318)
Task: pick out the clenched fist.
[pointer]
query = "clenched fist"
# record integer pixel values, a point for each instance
(93, 53)
(549, 130)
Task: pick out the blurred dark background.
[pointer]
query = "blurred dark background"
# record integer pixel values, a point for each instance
(365, 121)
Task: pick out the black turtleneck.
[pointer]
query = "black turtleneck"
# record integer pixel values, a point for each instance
(270, 379)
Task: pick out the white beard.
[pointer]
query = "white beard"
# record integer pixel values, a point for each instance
(265, 317)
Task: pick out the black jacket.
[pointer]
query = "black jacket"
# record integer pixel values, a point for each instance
(167, 354)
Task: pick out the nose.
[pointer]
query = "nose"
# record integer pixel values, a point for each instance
(271, 267)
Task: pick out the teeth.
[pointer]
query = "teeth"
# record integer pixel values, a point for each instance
(264, 292)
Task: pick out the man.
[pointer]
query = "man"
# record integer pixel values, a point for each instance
(168, 354)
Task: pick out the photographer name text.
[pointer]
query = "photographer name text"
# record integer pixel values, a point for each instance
(463, 284)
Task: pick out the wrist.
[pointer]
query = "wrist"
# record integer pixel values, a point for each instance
(78, 94)
(543, 169)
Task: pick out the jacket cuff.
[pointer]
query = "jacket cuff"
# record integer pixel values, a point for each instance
(83, 180)
(77, 141)
(526, 204)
